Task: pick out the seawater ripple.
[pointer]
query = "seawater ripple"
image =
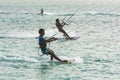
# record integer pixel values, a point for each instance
(96, 51)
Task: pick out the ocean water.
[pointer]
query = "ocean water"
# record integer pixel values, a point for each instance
(96, 52)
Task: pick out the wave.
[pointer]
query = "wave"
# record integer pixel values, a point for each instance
(86, 13)
(73, 59)
(19, 59)
(50, 14)
(17, 36)
(49, 33)
(59, 14)
(102, 13)
(91, 13)
(7, 13)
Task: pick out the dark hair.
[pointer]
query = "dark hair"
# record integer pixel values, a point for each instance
(41, 30)
(57, 20)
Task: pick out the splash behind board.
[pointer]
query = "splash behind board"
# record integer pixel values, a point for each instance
(70, 61)
(72, 38)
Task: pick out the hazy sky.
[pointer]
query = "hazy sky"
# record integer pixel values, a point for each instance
(59, 2)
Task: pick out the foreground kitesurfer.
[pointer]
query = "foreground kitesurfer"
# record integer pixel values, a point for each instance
(43, 46)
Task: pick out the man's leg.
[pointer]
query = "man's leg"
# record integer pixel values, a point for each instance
(65, 34)
(65, 61)
(53, 55)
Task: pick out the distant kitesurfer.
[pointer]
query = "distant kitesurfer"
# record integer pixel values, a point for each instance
(43, 46)
(41, 13)
(60, 28)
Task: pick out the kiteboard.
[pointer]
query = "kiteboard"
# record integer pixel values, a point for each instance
(69, 61)
(71, 38)
(74, 38)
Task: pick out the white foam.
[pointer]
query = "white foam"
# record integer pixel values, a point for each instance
(60, 14)
(18, 35)
(25, 58)
(30, 59)
(74, 59)
(45, 56)
(57, 34)
(77, 60)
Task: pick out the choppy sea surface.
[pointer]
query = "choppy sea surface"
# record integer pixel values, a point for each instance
(96, 52)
